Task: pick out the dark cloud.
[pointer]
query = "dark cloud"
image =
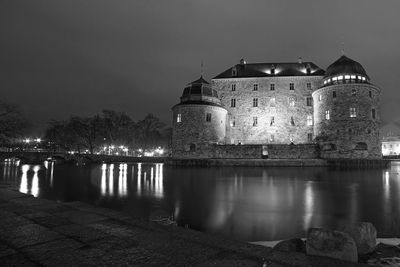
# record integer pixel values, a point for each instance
(77, 57)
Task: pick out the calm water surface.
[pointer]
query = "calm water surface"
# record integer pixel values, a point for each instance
(249, 204)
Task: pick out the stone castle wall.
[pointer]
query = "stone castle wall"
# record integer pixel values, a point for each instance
(343, 136)
(194, 132)
(282, 131)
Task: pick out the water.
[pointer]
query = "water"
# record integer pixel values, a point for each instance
(248, 204)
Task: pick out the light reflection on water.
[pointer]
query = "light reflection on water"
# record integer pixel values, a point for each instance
(245, 203)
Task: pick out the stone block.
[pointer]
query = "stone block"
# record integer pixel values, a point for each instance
(364, 234)
(81, 217)
(291, 245)
(80, 232)
(333, 244)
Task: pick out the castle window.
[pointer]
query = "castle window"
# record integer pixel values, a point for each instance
(192, 147)
(291, 86)
(291, 121)
(272, 87)
(309, 120)
(309, 86)
(291, 101)
(359, 78)
(309, 137)
(368, 131)
(320, 97)
(272, 69)
(370, 94)
(232, 122)
(353, 77)
(337, 131)
(361, 146)
(255, 87)
(327, 115)
(363, 78)
(233, 102)
(309, 101)
(347, 77)
(208, 117)
(233, 87)
(255, 121)
(272, 138)
(272, 101)
(373, 113)
(334, 94)
(308, 70)
(353, 92)
(340, 78)
(353, 113)
(255, 102)
(272, 121)
(179, 118)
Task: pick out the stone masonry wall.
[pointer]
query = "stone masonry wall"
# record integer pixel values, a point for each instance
(195, 130)
(282, 131)
(300, 151)
(340, 135)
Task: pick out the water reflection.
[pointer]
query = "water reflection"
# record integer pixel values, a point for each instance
(245, 203)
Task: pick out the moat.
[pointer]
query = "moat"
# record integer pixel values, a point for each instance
(248, 204)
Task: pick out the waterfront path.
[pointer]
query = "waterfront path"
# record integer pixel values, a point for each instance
(39, 232)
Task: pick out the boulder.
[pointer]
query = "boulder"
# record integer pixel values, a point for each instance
(333, 244)
(292, 245)
(364, 234)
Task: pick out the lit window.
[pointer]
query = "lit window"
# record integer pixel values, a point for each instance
(233, 102)
(327, 115)
(334, 79)
(353, 113)
(272, 121)
(291, 101)
(370, 94)
(347, 77)
(255, 102)
(353, 92)
(309, 137)
(320, 97)
(309, 120)
(334, 94)
(208, 117)
(325, 82)
(373, 113)
(359, 77)
(291, 121)
(329, 80)
(309, 86)
(272, 87)
(179, 118)
(272, 138)
(363, 78)
(353, 77)
(232, 122)
(233, 87)
(340, 78)
(309, 101)
(255, 87)
(255, 121)
(272, 101)
(291, 86)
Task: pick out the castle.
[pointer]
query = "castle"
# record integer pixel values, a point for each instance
(280, 110)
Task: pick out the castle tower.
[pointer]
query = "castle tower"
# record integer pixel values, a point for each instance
(199, 121)
(346, 112)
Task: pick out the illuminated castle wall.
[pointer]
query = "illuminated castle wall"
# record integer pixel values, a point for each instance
(280, 103)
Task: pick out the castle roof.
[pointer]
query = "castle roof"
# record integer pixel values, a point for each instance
(345, 65)
(248, 70)
(199, 91)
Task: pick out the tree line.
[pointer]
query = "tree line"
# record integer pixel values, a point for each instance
(92, 133)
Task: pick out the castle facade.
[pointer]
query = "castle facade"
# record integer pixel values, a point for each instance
(253, 108)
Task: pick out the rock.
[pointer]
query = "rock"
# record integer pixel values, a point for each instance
(364, 234)
(292, 245)
(334, 244)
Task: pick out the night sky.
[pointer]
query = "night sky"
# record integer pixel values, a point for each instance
(59, 58)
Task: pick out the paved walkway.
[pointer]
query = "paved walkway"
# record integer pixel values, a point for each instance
(39, 232)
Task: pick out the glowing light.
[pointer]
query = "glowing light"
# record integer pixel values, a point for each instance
(38, 140)
(111, 180)
(23, 188)
(103, 183)
(35, 182)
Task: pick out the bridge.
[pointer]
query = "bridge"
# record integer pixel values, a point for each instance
(30, 157)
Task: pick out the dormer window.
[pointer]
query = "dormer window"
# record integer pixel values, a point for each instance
(234, 71)
(273, 69)
(308, 69)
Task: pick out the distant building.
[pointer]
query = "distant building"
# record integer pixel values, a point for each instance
(391, 139)
(269, 104)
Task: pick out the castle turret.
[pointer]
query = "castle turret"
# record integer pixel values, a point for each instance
(346, 112)
(199, 120)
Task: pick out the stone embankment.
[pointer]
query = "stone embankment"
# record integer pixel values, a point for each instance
(39, 232)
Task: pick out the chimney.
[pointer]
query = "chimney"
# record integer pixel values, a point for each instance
(300, 60)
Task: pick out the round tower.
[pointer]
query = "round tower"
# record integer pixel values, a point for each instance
(346, 112)
(199, 121)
